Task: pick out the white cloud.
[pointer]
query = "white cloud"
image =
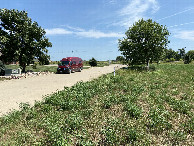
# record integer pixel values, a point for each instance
(112, 2)
(185, 35)
(57, 31)
(82, 33)
(137, 9)
(178, 13)
(97, 34)
(182, 24)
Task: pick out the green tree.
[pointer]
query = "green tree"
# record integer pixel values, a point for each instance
(145, 42)
(169, 54)
(189, 56)
(120, 58)
(21, 39)
(93, 62)
(2, 68)
(182, 53)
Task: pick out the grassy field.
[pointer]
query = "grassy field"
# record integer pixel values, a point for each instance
(3, 79)
(39, 68)
(134, 107)
(99, 63)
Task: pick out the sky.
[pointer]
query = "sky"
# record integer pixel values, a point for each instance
(91, 28)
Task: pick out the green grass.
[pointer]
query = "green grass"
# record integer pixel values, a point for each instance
(3, 79)
(39, 68)
(133, 108)
(99, 63)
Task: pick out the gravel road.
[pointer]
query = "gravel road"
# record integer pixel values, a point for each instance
(29, 90)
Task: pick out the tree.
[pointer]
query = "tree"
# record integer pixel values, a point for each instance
(120, 58)
(21, 39)
(170, 54)
(182, 53)
(189, 56)
(144, 43)
(2, 68)
(93, 62)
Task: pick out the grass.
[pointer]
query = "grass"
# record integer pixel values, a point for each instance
(135, 107)
(3, 79)
(39, 68)
(99, 63)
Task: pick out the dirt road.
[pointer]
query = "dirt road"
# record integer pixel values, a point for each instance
(29, 90)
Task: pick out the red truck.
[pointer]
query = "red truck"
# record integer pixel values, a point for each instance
(70, 64)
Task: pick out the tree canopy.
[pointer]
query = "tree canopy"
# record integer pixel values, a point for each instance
(145, 42)
(21, 39)
(189, 56)
(93, 62)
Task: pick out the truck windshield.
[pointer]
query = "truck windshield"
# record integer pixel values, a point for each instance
(64, 62)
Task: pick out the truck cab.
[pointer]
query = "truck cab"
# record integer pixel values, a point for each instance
(70, 64)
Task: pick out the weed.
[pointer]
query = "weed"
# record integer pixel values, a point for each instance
(135, 107)
(157, 120)
(133, 110)
(131, 136)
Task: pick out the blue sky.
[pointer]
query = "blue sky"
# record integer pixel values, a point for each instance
(91, 28)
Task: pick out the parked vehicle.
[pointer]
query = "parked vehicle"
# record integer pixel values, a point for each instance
(70, 64)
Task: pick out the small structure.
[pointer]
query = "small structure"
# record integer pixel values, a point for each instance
(9, 72)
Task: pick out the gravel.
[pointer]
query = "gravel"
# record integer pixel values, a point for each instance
(31, 89)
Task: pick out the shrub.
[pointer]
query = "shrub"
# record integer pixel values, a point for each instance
(34, 66)
(132, 135)
(93, 62)
(133, 110)
(172, 59)
(167, 60)
(2, 69)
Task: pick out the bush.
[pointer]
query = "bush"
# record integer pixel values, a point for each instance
(34, 66)
(172, 59)
(2, 69)
(187, 59)
(93, 62)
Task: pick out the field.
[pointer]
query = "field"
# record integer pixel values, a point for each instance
(3, 79)
(99, 63)
(39, 68)
(134, 107)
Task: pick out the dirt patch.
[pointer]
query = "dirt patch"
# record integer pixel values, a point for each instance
(29, 90)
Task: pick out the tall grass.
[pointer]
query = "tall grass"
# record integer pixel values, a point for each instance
(134, 107)
(39, 68)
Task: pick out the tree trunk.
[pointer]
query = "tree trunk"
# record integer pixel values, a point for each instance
(23, 68)
(148, 66)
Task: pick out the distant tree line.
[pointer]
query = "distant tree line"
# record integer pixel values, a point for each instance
(170, 55)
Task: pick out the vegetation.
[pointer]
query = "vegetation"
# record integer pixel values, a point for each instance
(37, 68)
(120, 59)
(144, 43)
(135, 107)
(189, 57)
(21, 39)
(171, 55)
(99, 63)
(93, 62)
(2, 68)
